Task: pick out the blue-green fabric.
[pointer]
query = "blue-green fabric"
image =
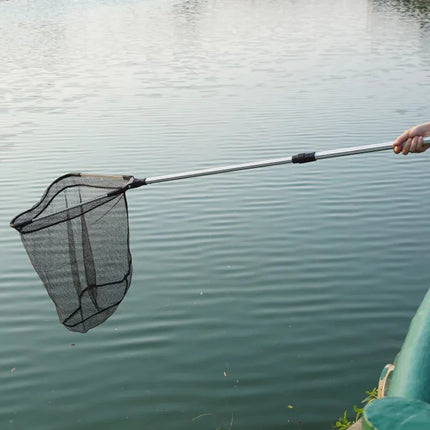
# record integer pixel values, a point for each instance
(407, 405)
(396, 413)
(411, 377)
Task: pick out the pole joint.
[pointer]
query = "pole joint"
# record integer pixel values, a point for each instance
(304, 157)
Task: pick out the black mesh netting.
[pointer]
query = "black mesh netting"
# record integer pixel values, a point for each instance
(77, 239)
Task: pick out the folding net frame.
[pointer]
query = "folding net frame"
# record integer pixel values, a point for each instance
(77, 238)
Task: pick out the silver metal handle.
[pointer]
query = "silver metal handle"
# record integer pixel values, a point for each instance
(320, 155)
(354, 150)
(216, 170)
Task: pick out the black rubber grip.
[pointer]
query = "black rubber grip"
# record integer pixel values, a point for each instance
(305, 157)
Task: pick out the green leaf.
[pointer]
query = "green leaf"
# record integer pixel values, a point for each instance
(343, 423)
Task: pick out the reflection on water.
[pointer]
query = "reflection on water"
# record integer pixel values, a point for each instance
(417, 9)
(251, 291)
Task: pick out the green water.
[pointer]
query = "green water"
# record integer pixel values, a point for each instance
(253, 291)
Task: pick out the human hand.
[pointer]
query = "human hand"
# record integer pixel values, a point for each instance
(412, 140)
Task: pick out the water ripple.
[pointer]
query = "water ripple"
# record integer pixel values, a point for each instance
(251, 291)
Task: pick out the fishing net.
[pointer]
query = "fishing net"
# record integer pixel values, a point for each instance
(77, 238)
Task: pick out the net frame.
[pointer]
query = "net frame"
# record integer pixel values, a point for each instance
(85, 268)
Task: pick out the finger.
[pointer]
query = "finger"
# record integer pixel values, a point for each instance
(415, 145)
(400, 139)
(406, 147)
(397, 148)
(420, 145)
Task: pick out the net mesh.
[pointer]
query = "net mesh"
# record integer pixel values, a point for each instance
(77, 238)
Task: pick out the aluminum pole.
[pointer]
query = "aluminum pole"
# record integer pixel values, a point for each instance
(299, 158)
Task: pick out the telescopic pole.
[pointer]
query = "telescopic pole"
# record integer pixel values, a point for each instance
(299, 158)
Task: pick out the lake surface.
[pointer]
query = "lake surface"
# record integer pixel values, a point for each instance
(268, 299)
